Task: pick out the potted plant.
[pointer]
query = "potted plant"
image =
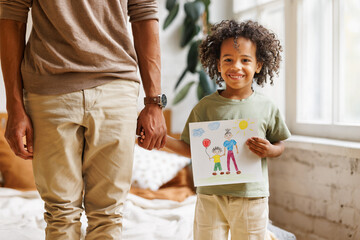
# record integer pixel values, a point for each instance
(195, 26)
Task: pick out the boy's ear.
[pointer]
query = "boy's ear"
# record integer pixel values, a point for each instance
(218, 65)
(258, 67)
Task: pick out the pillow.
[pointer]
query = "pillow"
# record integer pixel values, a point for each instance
(16, 172)
(154, 168)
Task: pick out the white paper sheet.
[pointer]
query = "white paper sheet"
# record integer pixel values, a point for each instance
(226, 139)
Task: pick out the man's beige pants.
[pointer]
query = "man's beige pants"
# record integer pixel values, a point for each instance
(246, 218)
(83, 155)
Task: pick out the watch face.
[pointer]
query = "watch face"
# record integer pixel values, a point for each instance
(163, 100)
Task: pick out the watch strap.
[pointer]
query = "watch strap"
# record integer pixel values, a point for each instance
(152, 100)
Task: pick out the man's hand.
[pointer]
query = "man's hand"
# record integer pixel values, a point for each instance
(12, 45)
(151, 122)
(263, 148)
(19, 126)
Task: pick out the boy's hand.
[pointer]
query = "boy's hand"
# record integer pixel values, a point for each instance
(261, 147)
(142, 136)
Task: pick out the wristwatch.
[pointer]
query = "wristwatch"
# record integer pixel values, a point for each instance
(160, 100)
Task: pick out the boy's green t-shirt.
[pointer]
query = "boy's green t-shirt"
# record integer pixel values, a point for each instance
(271, 126)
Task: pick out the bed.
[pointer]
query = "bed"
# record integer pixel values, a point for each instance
(160, 205)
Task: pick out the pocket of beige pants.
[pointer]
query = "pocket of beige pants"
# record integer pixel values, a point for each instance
(257, 214)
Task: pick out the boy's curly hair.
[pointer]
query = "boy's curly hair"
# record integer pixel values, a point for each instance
(268, 48)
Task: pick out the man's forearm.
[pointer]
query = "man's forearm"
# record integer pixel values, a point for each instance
(151, 119)
(147, 45)
(12, 45)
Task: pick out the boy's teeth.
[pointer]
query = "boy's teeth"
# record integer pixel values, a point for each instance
(235, 76)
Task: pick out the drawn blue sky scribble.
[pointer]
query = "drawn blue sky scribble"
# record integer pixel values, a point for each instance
(198, 132)
(214, 125)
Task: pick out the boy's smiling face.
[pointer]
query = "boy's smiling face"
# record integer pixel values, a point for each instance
(237, 65)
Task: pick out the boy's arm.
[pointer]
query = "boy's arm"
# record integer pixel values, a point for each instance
(178, 146)
(263, 148)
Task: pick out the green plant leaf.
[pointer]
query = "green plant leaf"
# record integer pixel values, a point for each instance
(194, 10)
(192, 58)
(181, 78)
(200, 92)
(207, 4)
(182, 93)
(170, 4)
(172, 14)
(190, 30)
(206, 83)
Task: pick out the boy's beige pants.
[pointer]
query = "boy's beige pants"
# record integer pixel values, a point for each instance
(246, 218)
(83, 155)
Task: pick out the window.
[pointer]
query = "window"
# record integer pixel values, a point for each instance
(321, 96)
(314, 55)
(271, 15)
(349, 56)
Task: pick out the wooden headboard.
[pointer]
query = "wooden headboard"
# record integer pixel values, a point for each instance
(168, 116)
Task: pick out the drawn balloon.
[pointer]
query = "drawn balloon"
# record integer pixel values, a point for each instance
(206, 142)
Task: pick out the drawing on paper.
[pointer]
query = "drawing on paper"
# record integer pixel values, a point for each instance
(223, 143)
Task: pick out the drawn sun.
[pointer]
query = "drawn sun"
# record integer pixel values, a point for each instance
(243, 125)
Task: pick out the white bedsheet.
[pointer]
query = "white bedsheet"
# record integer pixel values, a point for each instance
(21, 217)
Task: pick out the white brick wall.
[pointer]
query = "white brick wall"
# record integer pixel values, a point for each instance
(315, 190)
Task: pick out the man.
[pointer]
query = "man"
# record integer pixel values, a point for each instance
(72, 93)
